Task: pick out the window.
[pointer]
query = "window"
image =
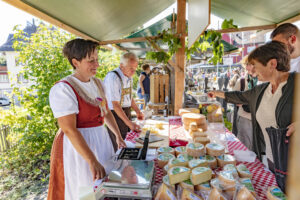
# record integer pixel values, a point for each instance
(4, 78)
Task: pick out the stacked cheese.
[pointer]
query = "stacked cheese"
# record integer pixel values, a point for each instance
(200, 120)
(188, 110)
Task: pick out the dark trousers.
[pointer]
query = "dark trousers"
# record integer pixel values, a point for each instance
(124, 129)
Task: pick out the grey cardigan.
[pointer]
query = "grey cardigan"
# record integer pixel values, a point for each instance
(253, 98)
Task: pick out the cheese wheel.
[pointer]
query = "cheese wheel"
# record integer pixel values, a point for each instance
(164, 158)
(188, 110)
(275, 193)
(166, 150)
(203, 186)
(214, 149)
(166, 169)
(203, 126)
(226, 179)
(179, 150)
(189, 195)
(198, 133)
(193, 126)
(248, 184)
(200, 175)
(187, 184)
(197, 163)
(243, 171)
(177, 162)
(202, 140)
(165, 193)
(167, 182)
(213, 174)
(178, 174)
(187, 118)
(231, 168)
(225, 159)
(215, 195)
(244, 194)
(211, 161)
(185, 156)
(195, 149)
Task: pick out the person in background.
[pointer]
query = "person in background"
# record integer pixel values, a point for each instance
(144, 85)
(82, 145)
(118, 83)
(233, 80)
(270, 103)
(289, 34)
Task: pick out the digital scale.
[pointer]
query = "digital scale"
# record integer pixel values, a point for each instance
(132, 177)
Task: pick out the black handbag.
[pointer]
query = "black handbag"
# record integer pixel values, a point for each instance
(280, 150)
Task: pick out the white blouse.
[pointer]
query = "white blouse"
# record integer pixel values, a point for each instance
(63, 100)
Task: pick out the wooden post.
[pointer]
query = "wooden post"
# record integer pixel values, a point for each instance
(180, 56)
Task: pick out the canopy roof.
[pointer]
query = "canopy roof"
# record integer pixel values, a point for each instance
(114, 19)
(140, 48)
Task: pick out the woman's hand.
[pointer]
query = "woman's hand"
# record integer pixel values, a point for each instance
(140, 115)
(291, 129)
(134, 127)
(143, 92)
(120, 142)
(98, 171)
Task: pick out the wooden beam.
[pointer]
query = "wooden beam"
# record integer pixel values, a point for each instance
(35, 12)
(137, 39)
(180, 56)
(291, 20)
(250, 28)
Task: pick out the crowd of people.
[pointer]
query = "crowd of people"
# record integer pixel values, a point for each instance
(263, 93)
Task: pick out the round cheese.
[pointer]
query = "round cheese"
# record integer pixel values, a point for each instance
(226, 159)
(178, 174)
(215, 149)
(202, 127)
(202, 140)
(203, 186)
(179, 150)
(188, 110)
(226, 179)
(195, 149)
(177, 162)
(197, 163)
(275, 193)
(187, 118)
(164, 158)
(231, 168)
(198, 133)
(211, 161)
(200, 175)
(193, 126)
(243, 171)
(185, 156)
(166, 168)
(166, 150)
(187, 184)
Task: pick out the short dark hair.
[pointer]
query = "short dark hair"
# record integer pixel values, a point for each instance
(272, 50)
(145, 66)
(79, 49)
(286, 29)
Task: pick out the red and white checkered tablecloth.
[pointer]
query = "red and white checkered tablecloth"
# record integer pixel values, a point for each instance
(262, 178)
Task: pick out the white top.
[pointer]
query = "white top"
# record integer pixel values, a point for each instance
(237, 87)
(62, 92)
(295, 65)
(113, 85)
(265, 114)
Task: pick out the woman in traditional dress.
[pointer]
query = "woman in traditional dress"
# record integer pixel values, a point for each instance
(82, 145)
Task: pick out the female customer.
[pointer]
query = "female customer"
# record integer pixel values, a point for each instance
(144, 85)
(82, 145)
(270, 103)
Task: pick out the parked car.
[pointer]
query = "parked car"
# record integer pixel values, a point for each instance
(4, 101)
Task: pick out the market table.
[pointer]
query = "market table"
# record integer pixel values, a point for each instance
(262, 177)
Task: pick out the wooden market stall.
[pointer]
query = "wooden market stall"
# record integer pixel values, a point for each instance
(108, 21)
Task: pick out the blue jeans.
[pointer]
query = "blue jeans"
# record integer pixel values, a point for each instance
(146, 98)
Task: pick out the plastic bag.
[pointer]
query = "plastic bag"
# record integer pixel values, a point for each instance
(280, 151)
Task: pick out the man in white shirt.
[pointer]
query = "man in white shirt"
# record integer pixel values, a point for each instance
(118, 84)
(290, 35)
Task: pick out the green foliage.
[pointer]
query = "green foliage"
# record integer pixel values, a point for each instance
(228, 24)
(2, 60)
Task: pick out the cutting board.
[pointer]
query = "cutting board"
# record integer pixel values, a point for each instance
(164, 133)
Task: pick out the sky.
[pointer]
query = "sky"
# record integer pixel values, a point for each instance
(11, 16)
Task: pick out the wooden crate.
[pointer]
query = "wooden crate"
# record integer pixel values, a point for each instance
(159, 88)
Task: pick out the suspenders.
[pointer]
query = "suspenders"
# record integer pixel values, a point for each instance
(124, 91)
